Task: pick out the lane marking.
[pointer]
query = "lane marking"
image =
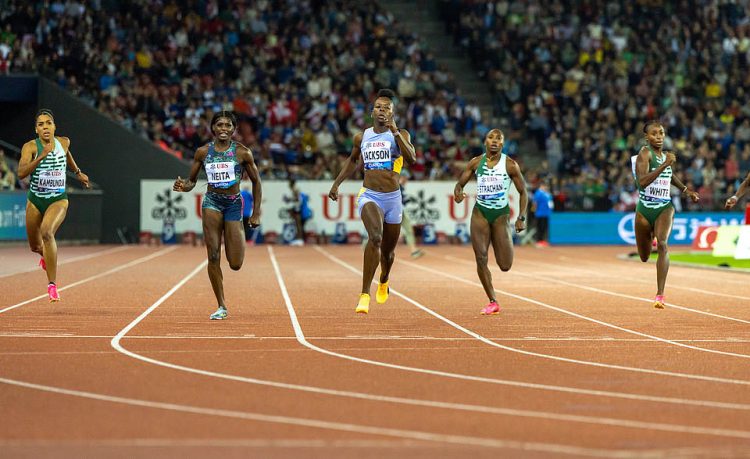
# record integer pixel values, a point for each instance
(73, 260)
(534, 354)
(94, 277)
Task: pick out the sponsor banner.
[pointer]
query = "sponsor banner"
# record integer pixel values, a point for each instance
(726, 241)
(12, 216)
(742, 252)
(618, 228)
(425, 203)
(704, 239)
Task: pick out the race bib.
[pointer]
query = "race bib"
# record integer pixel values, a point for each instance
(658, 190)
(51, 181)
(491, 186)
(220, 173)
(377, 155)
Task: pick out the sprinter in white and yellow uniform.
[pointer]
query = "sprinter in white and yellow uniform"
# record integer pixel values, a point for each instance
(491, 214)
(654, 212)
(383, 149)
(47, 159)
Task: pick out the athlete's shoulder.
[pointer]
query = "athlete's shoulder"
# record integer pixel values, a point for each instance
(242, 150)
(64, 141)
(474, 162)
(201, 152)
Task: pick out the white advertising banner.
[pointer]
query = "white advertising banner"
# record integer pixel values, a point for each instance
(425, 203)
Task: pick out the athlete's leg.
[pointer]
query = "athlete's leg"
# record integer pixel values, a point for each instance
(391, 233)
(372, 217)
(644, 235)
(234, 243)
(502, 242)
(53, 218)
(33, 228)
(662, 229)
(213, 227)
(480, 242)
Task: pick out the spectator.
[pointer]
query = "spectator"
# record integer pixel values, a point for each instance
(542, 205)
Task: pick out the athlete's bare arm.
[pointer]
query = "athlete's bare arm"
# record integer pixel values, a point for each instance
(27, 165)
(739, 194)
(514, 171)
(684, 189)
(188, 184)
(245, 156)
(350, 165)
(645, 178)
(463, 179)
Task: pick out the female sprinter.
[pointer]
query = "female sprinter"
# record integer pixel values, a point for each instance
(654, 212)
(383, 149)
(224, 161)
(490, 217)
(47, 158)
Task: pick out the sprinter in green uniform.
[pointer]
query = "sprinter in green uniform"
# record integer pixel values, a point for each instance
(652, 170)
(46, 159)
(491, 214)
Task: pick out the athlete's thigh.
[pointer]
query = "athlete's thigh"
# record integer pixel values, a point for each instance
(33, 225)
(663, 224)
(480, 232)
(643, 235)
(391, 233)
(502, 241)
(372, 218)
(234, 241)
(54, 216)
(213, 226)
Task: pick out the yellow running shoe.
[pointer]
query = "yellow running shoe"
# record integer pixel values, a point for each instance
(381, 296)
(659, 302)
(363, 307)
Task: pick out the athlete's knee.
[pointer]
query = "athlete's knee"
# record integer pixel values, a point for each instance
(644, 256)
(481, 258)
(235, 265)
(47, 235)
(214, 256)
(376, 240)
(661, 246)
(505, 265)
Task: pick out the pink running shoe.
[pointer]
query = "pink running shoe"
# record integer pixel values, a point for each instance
(491, 309)
(53, 295)
(42, 263)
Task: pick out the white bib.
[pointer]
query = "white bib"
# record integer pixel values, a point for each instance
(51, 181)
(220, 172)
(490, 186)
(377, 154)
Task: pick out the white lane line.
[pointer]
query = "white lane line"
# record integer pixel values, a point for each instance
(609, 292)
(218, 443)
(96, 276)
(400, 400)
(575, 314)
(527, 339)
(520, 351)
(88, 256)
(635, 279)
(338, 426)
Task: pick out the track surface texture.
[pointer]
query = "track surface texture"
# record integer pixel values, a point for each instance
(577, 364)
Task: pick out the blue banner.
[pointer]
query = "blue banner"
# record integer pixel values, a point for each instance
(604, 228)
(12, 216)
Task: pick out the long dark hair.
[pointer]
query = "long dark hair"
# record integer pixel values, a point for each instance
(44, 111)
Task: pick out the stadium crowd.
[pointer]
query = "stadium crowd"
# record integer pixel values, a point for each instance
(577, 77)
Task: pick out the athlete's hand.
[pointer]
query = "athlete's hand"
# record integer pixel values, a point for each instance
(254, 221)
(671, 158)
(693, 195)
(182, 185)
(731, 202)
(520, 225)
(458, 194)
(84, 179)
(334, 193)
(391, 124)
(47, 149)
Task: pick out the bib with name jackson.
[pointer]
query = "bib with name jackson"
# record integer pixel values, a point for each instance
(377, 155)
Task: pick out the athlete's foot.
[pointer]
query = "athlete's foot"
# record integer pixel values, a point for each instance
(491, 309)
(220, 314)
(659, 301)
(363, 307)
(42, 264)
(417, 253)
(52, 292)
(381, 296)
